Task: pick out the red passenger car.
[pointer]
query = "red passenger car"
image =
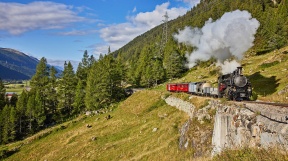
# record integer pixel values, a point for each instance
(172, 87)
(183, 87)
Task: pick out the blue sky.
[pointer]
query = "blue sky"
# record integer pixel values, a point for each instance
(62, 30)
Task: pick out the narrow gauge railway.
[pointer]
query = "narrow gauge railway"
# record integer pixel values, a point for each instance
(268, 103)
(233, 86)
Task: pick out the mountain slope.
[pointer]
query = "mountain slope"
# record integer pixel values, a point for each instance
(17, 62)
(272, 34)
(128, 135)
(7, 73)
(15, 65)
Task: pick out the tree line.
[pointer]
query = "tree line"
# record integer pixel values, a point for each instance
(52, 100)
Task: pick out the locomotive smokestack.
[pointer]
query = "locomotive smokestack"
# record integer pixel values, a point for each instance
(239, 70)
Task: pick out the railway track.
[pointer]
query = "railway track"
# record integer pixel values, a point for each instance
(268, 103)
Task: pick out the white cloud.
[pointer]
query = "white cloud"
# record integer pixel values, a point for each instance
(192, 2)
(18, 18)
(77, 32)
(60, 63)
(134, 9)
(117, 35)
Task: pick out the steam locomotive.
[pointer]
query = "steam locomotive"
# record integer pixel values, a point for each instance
(233, 86)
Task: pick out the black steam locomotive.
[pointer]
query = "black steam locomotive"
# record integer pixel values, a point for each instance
(234, 86)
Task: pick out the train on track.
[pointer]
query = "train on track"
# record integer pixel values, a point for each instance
(233, 86)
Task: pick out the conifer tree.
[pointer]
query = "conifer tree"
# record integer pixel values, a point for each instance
(92, 60)
(5, 124)
(20, 111)
(79, 104)
(39, 83)
(39, 111)
(81, 74)
(83, 68)
(31, 112)
(158, 72)
(12, 124)
(104, 84)
(51, 93)
(2, 95)
(174, 64)
(66, 90)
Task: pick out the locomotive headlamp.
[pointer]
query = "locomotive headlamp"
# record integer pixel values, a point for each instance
(249, 89)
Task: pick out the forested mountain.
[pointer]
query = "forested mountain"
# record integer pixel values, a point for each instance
(7, 73)
(15, 65)
(139, 54)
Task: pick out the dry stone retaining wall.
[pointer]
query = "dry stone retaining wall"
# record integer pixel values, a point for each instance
(238, 125)
(181, 105)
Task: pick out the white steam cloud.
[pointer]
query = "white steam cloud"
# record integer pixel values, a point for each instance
(230, 36)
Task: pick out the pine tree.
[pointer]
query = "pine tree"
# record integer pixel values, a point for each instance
(104, 84)
(52, 94)
(20, 111)
(174, 64)
(2, 95)
(39, 111)
(91, 61)
(12, 124)
(39, 83)
(5, 124)
(81, 74)
(158, 72)
(79, 104)
(83, 68)
(66, 90)
(31, 112)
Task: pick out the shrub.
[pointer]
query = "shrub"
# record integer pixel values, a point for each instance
(254, 96)
(267, 65)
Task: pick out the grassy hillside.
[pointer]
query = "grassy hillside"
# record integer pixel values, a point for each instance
(129, 135)
(126, 136)
(268, 74)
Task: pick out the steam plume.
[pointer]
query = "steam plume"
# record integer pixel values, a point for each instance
(230, 36)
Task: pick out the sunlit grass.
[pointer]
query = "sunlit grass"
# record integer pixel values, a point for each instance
(126, 136)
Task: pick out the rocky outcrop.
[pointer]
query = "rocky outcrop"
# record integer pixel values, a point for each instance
(236, 125)
(250, 125)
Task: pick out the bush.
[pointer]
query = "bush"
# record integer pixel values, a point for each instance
(254, 96)
(267, 65)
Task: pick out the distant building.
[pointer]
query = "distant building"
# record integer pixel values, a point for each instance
(28, 89)
(9, 95)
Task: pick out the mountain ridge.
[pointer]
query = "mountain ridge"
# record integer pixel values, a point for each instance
(16, 65)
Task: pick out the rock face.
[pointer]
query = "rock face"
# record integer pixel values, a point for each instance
(249, 125)
(193, 134)
(236, 125)
(181, 105)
